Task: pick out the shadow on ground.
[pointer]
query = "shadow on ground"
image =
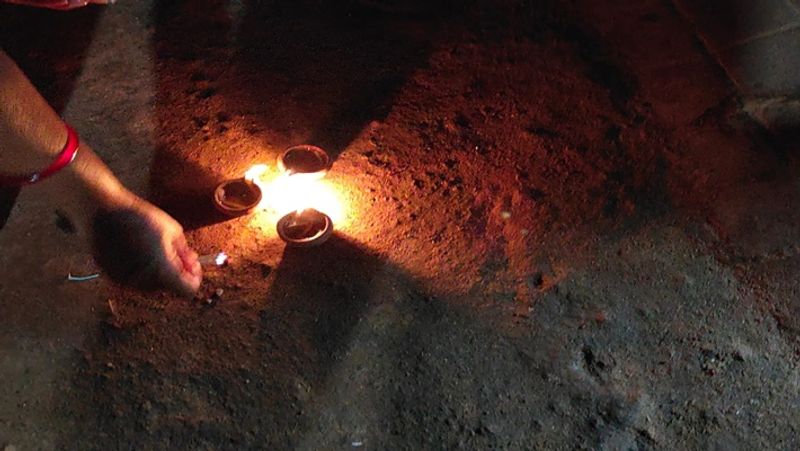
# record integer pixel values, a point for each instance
(264, 371)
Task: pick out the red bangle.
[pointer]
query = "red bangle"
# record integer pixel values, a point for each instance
(64, 158)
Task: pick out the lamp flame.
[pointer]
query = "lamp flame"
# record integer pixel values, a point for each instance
(287, 193)
(255, 173)
(297, 192)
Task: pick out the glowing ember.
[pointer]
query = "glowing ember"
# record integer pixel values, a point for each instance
(221, 259)
(218, 259)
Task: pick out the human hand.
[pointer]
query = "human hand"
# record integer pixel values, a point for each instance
(134, 242)
(143, 247)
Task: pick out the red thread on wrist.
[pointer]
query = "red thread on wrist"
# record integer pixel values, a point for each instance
(64, 158)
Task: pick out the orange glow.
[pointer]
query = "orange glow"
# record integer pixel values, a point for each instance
(286, 193)
(255, 173)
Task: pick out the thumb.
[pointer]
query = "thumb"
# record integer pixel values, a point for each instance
(181, 272)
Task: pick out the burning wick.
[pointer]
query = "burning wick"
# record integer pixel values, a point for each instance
(218, 259)
(305, 228)
(240, 196)
(303, 168)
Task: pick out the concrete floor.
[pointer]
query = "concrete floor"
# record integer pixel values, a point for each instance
(564, 233)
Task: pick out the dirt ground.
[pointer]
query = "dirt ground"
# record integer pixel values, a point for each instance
(561, 233)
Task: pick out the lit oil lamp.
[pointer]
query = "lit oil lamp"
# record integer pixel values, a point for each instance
(305, 160)
(239, 197)
(302, 167)
(305, 228)
(306, 205)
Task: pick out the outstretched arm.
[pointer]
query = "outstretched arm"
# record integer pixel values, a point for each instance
(135, 242)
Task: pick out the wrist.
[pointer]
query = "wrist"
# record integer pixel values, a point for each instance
(85, 187)
(94, 180)
(29, 155)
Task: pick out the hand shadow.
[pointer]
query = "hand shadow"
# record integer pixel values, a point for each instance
(245, 374)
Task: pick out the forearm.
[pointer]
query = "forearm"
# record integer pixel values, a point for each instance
(32, 134)
(134, 241)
